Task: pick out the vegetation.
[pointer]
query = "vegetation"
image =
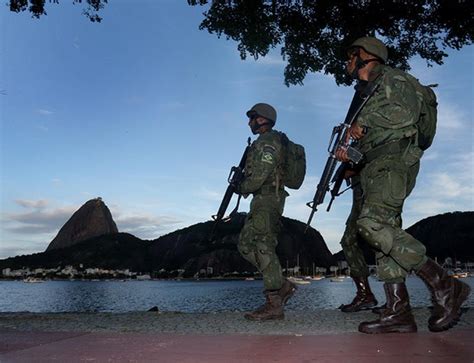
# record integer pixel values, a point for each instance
(314, 35)
(37, 7)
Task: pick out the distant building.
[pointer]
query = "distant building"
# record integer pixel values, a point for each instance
(6, 271)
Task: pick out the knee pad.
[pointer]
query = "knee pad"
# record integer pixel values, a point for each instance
(265, 255)
(248, 254)
(349, 239)
(379, 236)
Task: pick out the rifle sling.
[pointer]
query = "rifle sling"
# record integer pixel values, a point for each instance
(234, 211)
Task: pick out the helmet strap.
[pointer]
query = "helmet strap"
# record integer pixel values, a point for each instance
(361, 64)
(258, 126)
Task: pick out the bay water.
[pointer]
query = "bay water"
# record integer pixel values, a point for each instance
(185, 295)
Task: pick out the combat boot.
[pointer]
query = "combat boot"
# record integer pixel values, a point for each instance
(286, 291)
(447, 295)
(379, 309)
(396, 317)
(271, 310)
(364, 298)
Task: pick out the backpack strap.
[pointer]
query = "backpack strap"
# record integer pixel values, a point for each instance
(279, 174)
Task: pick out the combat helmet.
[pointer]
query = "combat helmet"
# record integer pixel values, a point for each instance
(263, 110)
(373, 46)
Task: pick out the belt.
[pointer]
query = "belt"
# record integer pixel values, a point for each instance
(389, 148)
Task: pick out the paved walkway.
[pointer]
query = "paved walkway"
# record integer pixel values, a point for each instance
(323, 336)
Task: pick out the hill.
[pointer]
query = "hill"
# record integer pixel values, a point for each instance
(188, 249)
(444, 235)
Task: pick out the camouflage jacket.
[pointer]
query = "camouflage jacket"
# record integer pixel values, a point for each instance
(393, 110)
(263, 161)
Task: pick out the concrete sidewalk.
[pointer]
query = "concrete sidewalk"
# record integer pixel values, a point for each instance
(323, 336)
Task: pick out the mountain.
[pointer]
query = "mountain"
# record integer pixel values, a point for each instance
(188, 249)
(447, 235)
(112, 251)
(191, 249)
(93, 219)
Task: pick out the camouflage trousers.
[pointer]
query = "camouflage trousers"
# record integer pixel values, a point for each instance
(351, 241)
(385, 183)
(258, 238)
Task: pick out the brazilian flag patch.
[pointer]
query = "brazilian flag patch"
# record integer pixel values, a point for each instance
(267, 157)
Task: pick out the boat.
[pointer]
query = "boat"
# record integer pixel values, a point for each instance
(461, 275)
(249, 279)
(336, 279)
(298, 280)
(32, 280)
(317, 278)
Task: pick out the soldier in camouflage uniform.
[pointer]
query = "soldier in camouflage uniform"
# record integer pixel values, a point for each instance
(258, 238)
(387, 134)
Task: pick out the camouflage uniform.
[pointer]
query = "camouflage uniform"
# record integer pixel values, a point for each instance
(351, 239)
(392, 164)
(258, 238)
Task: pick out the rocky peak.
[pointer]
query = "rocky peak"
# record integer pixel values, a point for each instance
(93, 219)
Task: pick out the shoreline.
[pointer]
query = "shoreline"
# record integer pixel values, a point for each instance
(295, 323)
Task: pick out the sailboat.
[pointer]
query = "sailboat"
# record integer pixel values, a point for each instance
(336, 278)
(298, 280)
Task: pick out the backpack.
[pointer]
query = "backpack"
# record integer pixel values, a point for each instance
(427, 121)
(294, 164)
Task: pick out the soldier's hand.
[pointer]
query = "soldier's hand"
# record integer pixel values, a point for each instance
(341, 154)
(356, 131)
(349, 173)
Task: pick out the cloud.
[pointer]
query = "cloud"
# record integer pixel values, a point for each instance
(256, 80)
(37, 204)
(145, 226)
(271, 60)
(450, 117)
(431, 155)
(446, 190)
(44, 112)
(75, 43)
(38, 219)
(15, 250)
(173, 105)
(211, 195)
(56, 182)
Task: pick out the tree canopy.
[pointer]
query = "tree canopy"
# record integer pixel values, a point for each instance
(37, 7)
(314, 34)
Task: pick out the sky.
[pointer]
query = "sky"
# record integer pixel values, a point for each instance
(147, 112)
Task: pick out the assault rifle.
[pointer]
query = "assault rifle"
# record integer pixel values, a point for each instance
(234, 179)
(339, 138)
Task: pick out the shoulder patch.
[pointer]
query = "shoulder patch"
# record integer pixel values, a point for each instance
(267, 157)
(268, 153)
